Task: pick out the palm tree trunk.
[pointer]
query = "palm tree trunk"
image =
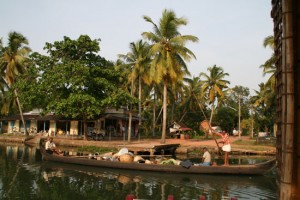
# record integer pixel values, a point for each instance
(164, 127)
(154, 115)
(21, 112)
(183, 116)
(140, 105)
(159, 113)
(129, 125)
(173, 108)
(130, 113)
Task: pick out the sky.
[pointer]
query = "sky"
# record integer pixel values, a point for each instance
(230, 32)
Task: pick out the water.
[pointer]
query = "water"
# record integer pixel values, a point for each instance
(23, 175)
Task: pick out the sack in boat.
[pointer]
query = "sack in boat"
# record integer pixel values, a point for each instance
(138, 159)
(99, 158)
(126, 158)
(186, 164)
(148, 162)
(123, 151)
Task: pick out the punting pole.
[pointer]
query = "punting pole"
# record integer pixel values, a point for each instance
(213, 134)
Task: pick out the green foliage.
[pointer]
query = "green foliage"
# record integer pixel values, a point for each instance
(13, 63)
(73, 80)
(147, 123)
(247, 125)
(254, 144)
(227, 114)
(226, 118)
(214, 83)
(197, 134)
(94, 149)
(265, 108)
(169, 52)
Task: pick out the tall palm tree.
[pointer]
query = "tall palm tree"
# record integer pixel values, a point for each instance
(269, 67)
(213, 84)
(264, 102)
(267, 91)
(12, 63)
(155, 95)
(193, 93)
(193, 97)
(138, 62)
(169, 54)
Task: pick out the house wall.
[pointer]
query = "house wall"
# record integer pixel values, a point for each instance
(97, 126)
(52, 126)
(74, 128)
(117, 123)
(33, 124)
(16, 125)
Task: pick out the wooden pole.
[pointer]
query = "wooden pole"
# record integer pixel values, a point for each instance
(209, 125)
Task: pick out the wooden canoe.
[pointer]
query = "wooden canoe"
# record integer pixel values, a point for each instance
(256, 169)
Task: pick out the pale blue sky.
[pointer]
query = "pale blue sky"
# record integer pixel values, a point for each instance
(230, 32)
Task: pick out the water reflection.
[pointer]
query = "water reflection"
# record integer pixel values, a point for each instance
(23, 175)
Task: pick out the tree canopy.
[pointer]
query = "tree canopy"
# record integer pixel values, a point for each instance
(13, 58)
(73, 80)
(169, 51)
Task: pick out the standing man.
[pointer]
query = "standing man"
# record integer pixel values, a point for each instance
(226, 146)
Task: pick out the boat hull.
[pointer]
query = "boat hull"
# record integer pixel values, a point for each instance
(257, 169)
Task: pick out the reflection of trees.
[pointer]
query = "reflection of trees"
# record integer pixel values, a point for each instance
(13, 174)
(48, 180)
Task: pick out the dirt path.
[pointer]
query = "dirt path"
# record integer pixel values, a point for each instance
(186, 145)
(187, 142)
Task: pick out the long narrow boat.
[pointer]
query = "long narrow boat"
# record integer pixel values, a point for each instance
(256, 169)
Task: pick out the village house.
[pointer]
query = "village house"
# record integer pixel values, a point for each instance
(114, 123)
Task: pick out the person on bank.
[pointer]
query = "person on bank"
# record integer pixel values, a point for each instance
(51, 147)
(206, 158)
(226, 146)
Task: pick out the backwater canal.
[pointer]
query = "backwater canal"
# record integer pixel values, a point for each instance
(23, 175)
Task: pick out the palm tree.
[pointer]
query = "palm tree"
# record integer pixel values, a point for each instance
(264, 102)
(269, 66)
(169, 54)
(138, 61)
(213, 85)
(192, 95)
(12, 63)
(265, 98)
(176, 95)
(156, 99)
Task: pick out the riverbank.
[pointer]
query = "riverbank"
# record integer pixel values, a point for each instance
(245, 145)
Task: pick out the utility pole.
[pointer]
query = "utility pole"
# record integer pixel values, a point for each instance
(252, 121)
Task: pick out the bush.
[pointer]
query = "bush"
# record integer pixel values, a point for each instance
(93, 149)
(197, 134)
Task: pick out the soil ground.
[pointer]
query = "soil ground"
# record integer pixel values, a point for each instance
(246, 145)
